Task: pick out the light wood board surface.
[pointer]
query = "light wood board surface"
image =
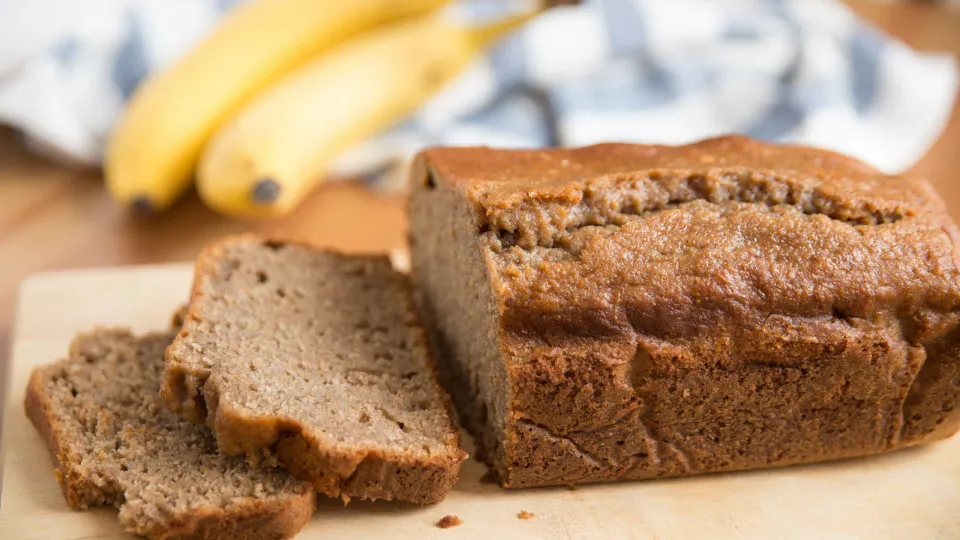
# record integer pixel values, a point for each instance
(911, 494)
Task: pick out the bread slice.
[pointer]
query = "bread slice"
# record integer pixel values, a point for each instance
(113, 442)
(316, 360)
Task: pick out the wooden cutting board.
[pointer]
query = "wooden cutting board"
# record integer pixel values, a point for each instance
(911, 494)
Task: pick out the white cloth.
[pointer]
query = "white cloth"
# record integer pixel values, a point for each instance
(653, 71)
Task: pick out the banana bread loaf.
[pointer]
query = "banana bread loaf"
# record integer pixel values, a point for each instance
(625, 311)
(113, 442)
(316, 360)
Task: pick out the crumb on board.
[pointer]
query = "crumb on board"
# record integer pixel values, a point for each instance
(523, 514)
(571, 487)
(448, 521)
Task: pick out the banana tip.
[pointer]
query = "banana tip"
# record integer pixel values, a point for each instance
(266, 191)
(143, 206)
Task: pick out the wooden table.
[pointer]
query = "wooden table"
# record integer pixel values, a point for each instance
(54, 217)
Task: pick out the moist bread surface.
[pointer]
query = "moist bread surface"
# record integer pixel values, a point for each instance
(627, 311)
(315, 360)
(114, 443)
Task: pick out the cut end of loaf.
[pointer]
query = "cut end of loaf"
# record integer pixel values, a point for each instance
(458, 304)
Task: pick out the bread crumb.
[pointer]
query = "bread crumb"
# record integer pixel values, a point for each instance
(571, 487)
(525, 515)
(448, 521)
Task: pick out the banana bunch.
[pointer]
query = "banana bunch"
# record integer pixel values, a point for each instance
(260, 108)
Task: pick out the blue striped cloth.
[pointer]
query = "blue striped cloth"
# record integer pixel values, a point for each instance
(654, 71)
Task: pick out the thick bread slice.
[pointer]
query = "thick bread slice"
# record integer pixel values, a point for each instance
(316, 360)
(113, 442)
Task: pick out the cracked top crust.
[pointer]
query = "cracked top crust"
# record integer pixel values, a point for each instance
(676, 241)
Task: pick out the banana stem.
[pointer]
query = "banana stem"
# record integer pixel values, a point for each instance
(485, 35)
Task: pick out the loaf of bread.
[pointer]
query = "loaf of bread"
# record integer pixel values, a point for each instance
(626, 311)
(318, 361)
(114, 443)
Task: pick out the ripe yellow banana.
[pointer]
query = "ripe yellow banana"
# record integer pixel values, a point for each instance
(154, 148)
(267, 158)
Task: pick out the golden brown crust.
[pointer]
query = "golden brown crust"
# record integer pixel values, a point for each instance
(253, 520)
(501, 174)
(368, 475)
(729, 304)
(78, 491)
(334, 471)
